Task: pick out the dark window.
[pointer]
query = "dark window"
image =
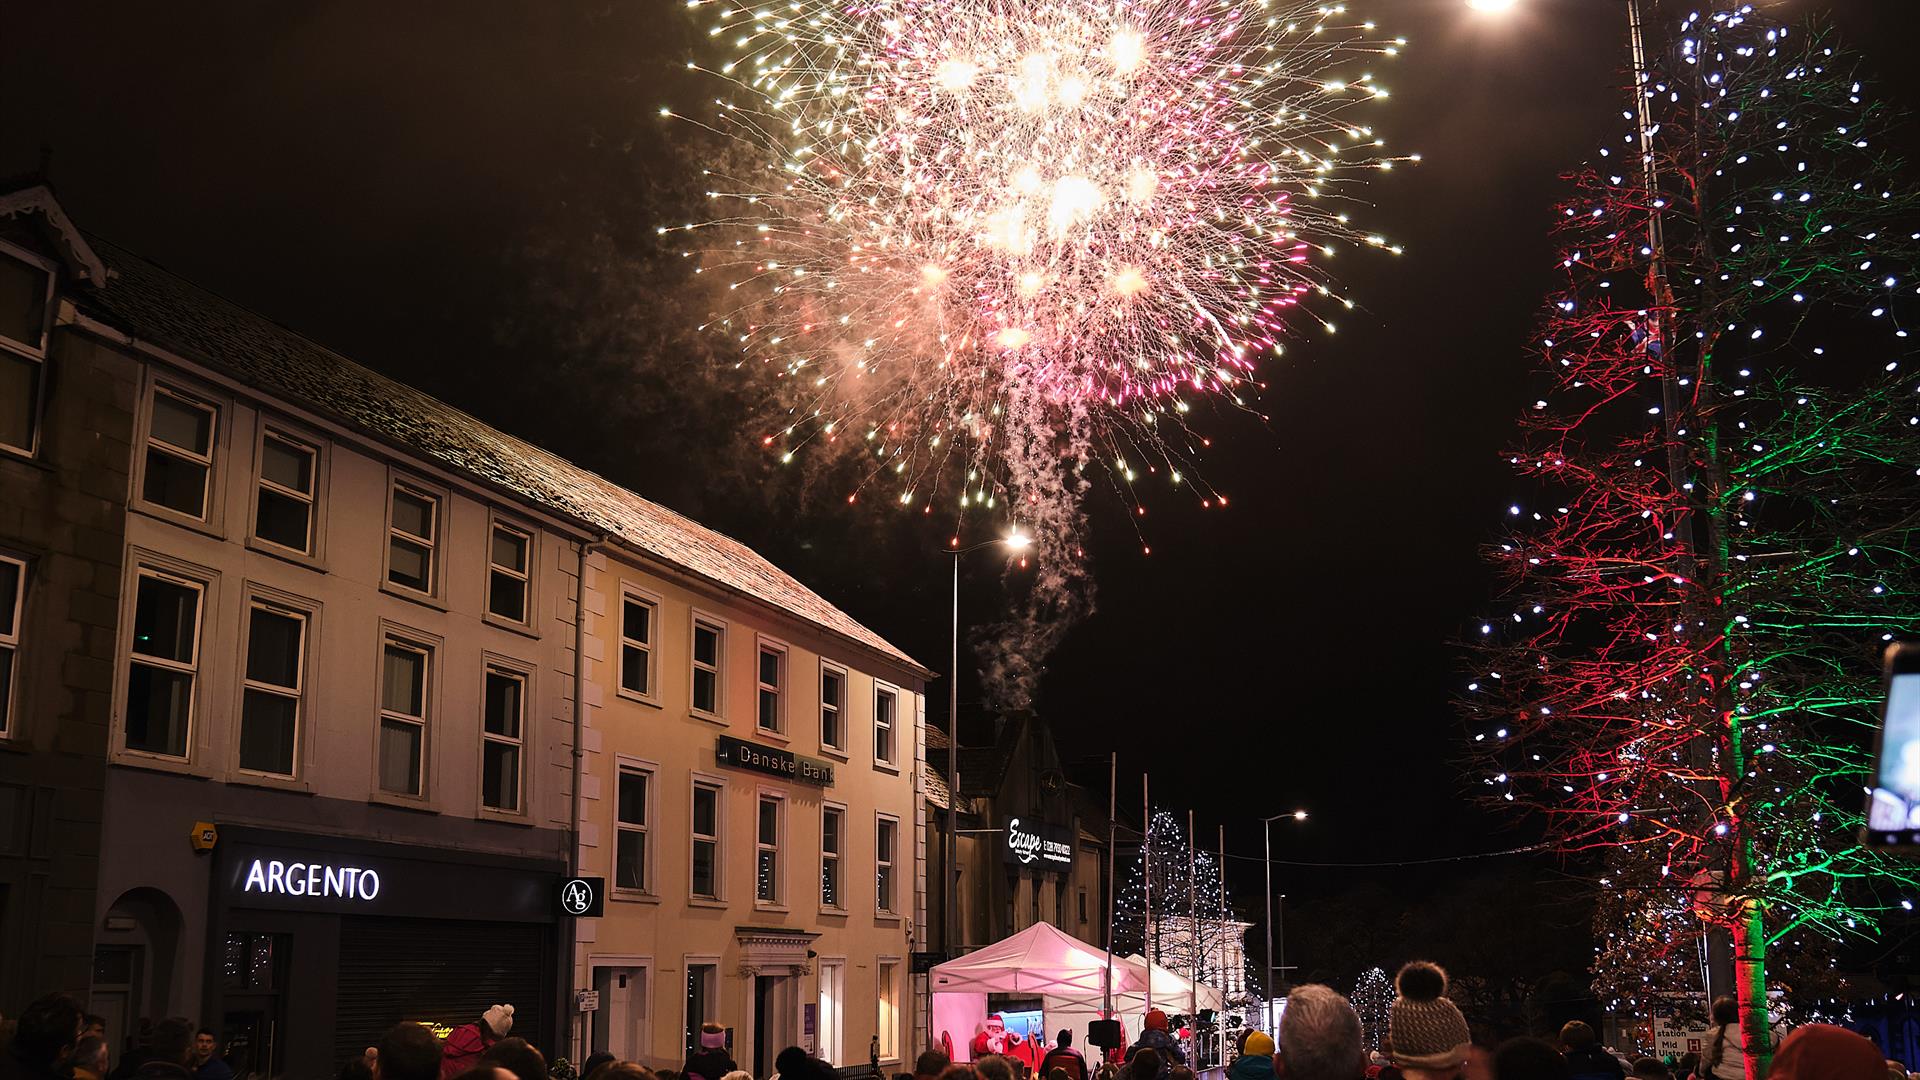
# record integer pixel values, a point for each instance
(507, 574)
(179, 459)
(636, 646)
(410, 542)
(706, 667)
(706, 841)
(500, 742)
(164, 664)
(270, 704)
(630, 851)
(13, 579)
(283, 514)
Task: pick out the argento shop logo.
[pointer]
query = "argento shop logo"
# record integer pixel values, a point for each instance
(1030, 847)
(311, 879)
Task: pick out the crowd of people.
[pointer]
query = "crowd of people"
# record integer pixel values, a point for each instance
(1320, 1038)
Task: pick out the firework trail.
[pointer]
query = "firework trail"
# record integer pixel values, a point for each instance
(991, 245)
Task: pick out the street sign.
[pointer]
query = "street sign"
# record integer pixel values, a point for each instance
(586, 1001)
(583, 897)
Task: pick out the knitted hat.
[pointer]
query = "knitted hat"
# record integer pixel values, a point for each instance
(1427, 1030)
(1259, 1044)
(500, 1019)
(1156, 1020)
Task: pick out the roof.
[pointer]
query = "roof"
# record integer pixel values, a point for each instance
(152, 304)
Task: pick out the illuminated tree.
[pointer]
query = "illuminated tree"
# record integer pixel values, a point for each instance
(1162, 934)
(1373, 1000)
(1724, 522)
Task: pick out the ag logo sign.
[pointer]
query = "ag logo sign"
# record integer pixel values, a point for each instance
(583, 897)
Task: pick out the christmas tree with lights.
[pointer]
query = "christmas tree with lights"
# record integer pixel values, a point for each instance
(1373, 1000)
(1723, 520)
(1165, 932)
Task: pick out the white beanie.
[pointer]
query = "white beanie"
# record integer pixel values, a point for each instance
(500, 1019)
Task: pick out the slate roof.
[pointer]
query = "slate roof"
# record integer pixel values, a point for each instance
(163, 309)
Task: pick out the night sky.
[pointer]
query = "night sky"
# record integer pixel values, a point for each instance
(464, 195)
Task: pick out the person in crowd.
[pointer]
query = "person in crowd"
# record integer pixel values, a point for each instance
(738, 1074)
(1528, 1058)
(517, 1056)
(1256, 1058)
(486, 1070)
(1896, 1070)
(1652, 1068)
(1155, 1035)
(1725, 1058)
(1826, 1052)
(711, 1061)
(1586, 1058)
(89, 1058)
(1180, 1072)
(358, 1067)
(170, 1056)
(1430, 1036)
(1065, 1058)
(1320, 1036)
(43, 1037)
(623, 1070)
(993, 1067)
(1145, 1063)
(95, 1025)
(466, 1043)
(409, 1052)
(206, 1062)
(1686, 1065)
(793, 1063)
(668, 1074)
(928, 1066)
(958, 1071)
(1056, 1073)
(594, 1061)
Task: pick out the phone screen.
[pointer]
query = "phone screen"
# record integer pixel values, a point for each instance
(1893, 811)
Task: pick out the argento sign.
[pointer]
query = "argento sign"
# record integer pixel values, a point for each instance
(774, 761)
(1038, 845)
(324, 880)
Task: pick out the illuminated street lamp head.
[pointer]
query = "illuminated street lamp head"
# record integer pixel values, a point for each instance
(1299, 815)
(1018, 541)
(1493, 6)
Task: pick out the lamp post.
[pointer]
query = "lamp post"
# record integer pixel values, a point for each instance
(1266, 828)
(1016, 542)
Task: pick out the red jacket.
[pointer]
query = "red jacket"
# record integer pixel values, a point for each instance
(462, 1049)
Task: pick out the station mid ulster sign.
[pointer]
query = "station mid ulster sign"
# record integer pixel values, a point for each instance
(774, 761)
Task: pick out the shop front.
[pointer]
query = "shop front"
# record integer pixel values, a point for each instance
(318, 944)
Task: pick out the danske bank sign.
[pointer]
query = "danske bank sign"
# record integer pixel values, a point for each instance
(311, 879)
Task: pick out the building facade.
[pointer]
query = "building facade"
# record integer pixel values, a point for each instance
(321, 696)
(750, 798)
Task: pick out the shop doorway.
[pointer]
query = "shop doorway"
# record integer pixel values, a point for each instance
(774, 1022)
(621, 1025)
(116, 992)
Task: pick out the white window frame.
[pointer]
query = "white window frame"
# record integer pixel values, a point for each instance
(649, 654)
(719, 788)
(892, 863)
(258, 601)
(778, 847)
(763, 646)
(498, 524)
(889, 997)
(892, 727)
(833, 1007)
(439, 501)
(10, 641)
(837, 857)
(838, 708)
(150, 443)
(261, 484)
(492, 664)
(649, 850)
(718, 667)
(192, 668)
(36, 356)
(429, 675)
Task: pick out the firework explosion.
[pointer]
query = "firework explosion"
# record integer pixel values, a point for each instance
(988, 243)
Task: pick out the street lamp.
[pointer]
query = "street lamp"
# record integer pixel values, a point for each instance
(1266, 827)
(1017, 542)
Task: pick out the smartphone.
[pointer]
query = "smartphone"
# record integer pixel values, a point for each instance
(1893, 807)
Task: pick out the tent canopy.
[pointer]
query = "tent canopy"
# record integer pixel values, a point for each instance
(1172, 991)
(1041, 961)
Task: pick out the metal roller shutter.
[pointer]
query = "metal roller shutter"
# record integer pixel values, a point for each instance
(437, 972)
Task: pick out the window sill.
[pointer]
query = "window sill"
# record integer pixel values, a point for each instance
(833, 913)
(504, 817)
(503, 623)
(888, 918)
(413, 596)
(416, 803)
(838, 753)
(141, 759)
(712, 718)
(648, 700)
(773, 908)
(886, 767)
(23, 457)
(288, 555)
(780, 737)
(706, 902)
(635, 896)
(293, 784)
(176, 517)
